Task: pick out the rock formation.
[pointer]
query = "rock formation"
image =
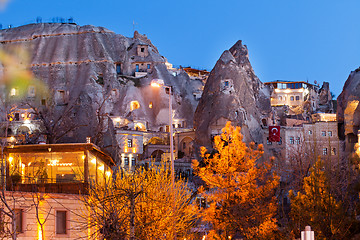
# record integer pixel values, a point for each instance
(348, 108)
(94, 73)
(232, 93)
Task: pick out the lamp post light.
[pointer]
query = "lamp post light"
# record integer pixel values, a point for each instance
(160, 83)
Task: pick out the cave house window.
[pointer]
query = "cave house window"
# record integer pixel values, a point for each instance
(137, 67)
(148, 66)
(291, 140)
(61, 222)
(292, 98)
(118, 68)
(134, 105)
(324, 151)
(14, 92)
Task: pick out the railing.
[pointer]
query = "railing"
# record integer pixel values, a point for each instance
(66, 187)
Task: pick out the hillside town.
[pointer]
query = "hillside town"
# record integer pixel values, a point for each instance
(80, 104)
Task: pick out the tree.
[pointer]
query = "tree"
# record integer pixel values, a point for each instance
(139, 205)
(316, 206)
(240, 191)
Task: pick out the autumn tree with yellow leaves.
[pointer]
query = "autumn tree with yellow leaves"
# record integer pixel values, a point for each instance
(315, 206)
(240, 191)
(140, 204)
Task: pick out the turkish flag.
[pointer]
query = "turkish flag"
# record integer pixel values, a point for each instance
(274, 133)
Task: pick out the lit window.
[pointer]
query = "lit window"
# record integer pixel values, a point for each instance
(310, 132)
(14, 92)
(324, 151)
(292, 98)
(333, 151)
(134, 105)
(150, 104)
(130, 143)
(298, 140)
(323, 133)
(280, 98)
(61, 222)
(329, 133)
(291, 140)
(19, 219)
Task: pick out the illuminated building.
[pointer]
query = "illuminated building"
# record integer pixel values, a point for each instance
(53, 177)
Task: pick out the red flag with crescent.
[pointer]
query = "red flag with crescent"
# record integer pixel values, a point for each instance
(274, 133)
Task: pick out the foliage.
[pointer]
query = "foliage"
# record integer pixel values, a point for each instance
(140, 205)
(240, 191)
(316, 206)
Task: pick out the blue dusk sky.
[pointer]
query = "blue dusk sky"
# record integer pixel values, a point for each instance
(287, 39)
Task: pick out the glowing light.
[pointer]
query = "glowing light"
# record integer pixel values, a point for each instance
(157, 83)
(108, 173)
(12, 139)
(134, 150)
(93, 161)
(83, 157)
(27, 121)
(55, 163)
(287, 91)
(11, 159)
(101, 168)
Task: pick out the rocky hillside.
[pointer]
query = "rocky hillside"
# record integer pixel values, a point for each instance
(95, 72)
(232, 92)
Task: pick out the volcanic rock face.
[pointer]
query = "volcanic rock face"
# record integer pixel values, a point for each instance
(98, 73)
(348, 108)
(232, 93)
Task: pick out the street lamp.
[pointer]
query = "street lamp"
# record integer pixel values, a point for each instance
(160, 83)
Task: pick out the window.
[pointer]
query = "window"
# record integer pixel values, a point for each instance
(17, 116)
(142, 49)
(330, 133)
(184, 145)
(167, 128)
(310, 132)
(297, 140)
(292, 98)
(150, 104)
(60, 97)
(134, 105)
(291, 140)
(19, 219)
(268, 142)
(148, 66)
(43, 102)
(129, 143)
(280, 142)
(226, 83)
(14, 92)
(118, 68)
(61, 222)
(333, 151)
(323, 133)
(133, 161)
(324, 151)
(280, 98)
(126, 161)
(137, 68)
(297, 98)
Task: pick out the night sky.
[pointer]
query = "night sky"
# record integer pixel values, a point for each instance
(287, 39)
